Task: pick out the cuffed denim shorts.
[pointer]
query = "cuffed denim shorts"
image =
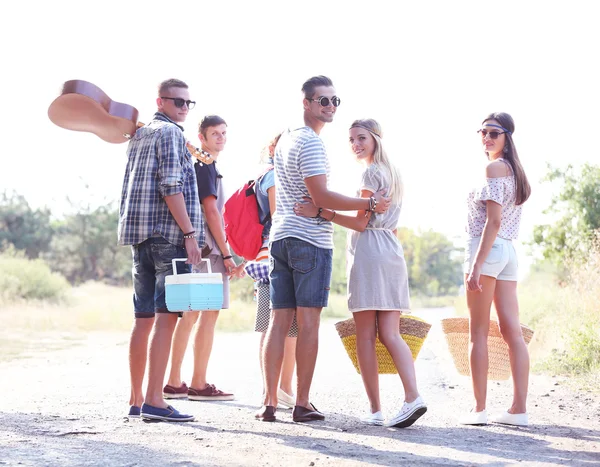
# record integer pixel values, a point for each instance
(300, 274)
(151, 263)
(501, 263)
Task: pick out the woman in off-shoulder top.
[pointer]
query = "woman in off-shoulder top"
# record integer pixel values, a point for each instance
(491, 267)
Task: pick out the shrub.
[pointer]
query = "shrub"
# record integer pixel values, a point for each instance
(25, 279)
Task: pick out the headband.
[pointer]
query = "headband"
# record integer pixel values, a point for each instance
(498, 126)
(368, 129)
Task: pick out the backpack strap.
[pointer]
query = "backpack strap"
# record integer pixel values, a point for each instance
(257, 183)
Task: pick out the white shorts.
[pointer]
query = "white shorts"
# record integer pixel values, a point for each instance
(501, 263)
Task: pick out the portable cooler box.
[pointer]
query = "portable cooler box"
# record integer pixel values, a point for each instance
(195, 291)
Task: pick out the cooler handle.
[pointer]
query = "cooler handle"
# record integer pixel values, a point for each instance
(185, 259)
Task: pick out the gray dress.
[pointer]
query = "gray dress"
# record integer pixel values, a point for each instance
(377, 275)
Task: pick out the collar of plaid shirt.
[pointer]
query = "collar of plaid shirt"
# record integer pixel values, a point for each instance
(164, 118)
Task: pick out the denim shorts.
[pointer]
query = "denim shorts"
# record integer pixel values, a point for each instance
(300, 274)
(151, 263)
(501, 262)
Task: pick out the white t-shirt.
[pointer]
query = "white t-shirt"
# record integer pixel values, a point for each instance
(300, 154)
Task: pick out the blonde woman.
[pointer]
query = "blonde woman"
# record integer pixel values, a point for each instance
(377, 275)
(491, 267)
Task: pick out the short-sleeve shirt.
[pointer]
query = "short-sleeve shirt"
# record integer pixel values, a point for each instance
(158, 165)
(210, 183)
(376, 178)
(502, 190)
(300, 154)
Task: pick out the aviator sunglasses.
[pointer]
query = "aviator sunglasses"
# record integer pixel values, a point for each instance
(325, 101)
(178, 101)
(493, 134)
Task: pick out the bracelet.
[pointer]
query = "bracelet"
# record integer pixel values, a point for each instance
(334, 213)
(372, 204)
(319, 213)
(227, 257)
(192, 234)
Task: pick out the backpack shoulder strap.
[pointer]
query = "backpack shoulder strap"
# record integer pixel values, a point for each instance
(256, 183)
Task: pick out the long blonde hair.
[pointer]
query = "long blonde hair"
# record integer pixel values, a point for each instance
(381, 158)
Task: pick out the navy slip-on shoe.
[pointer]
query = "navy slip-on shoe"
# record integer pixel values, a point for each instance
(134, 412)
(169, 414)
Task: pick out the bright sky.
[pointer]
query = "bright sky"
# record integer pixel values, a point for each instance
(429, 71)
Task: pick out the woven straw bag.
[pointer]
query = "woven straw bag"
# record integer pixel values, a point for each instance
(457, 336)
(412, 329)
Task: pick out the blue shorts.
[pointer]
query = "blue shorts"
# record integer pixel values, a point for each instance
(501, 262)
(300, 274)
(151, 263)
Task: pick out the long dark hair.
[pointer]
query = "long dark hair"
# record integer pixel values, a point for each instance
(511, 156)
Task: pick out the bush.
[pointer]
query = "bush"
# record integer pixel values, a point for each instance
(25, 279)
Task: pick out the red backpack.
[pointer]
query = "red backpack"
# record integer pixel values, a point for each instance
(243, 227)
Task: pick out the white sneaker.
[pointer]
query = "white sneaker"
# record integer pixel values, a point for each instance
(409, 414)
(285, 400)
(517, 419)
(474, 418)
(373, 419)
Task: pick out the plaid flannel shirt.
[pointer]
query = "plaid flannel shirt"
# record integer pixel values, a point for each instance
(158, 165)
(259, 271)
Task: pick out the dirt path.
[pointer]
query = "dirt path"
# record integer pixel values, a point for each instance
(66, 407)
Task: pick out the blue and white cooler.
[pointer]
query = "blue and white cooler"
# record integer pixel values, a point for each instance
(194, 291)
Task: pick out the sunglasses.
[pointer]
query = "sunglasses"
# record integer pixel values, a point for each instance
(326, 102)
(179, 102)
(493, 134)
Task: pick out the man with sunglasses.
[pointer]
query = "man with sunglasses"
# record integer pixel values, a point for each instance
(160, 218)
(302, 248)
(212, 132)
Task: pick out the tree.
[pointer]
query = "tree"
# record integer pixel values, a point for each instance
(85, 246)
(23, 227)
(577, 209)
(432, 260)
(434, 267)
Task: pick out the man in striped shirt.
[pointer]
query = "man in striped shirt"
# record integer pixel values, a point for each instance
(302, 248)
(160, 218)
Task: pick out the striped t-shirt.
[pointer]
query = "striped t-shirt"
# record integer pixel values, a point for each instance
(300, 154)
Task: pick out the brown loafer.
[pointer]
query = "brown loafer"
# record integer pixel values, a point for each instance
(266, 414)
(302, 414)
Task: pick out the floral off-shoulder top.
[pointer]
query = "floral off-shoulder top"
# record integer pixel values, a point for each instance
(502, 190)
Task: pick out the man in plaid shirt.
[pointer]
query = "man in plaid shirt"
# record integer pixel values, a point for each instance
(160, 218)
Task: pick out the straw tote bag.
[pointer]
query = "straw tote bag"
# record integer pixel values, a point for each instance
(412, 329)
(456, 331)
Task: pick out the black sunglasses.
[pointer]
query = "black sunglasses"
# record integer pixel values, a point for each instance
(178, 101)
(325, 101)
(493, 134)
